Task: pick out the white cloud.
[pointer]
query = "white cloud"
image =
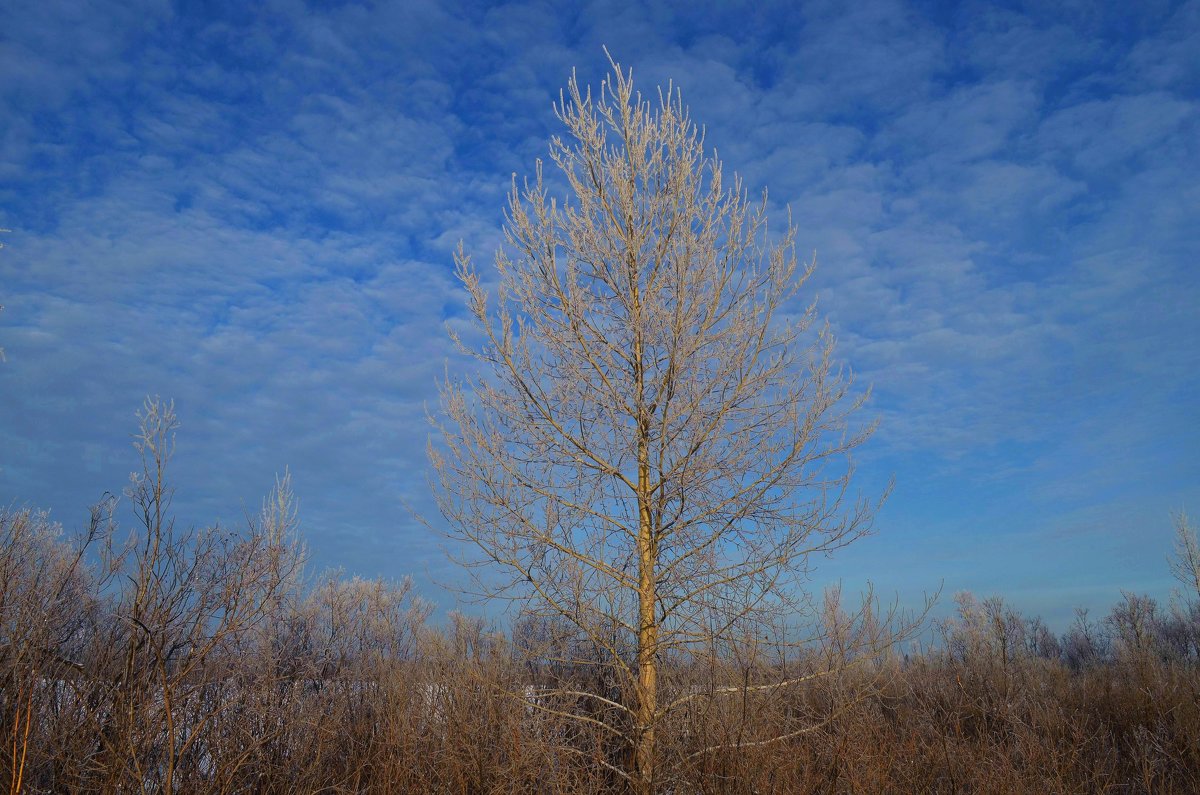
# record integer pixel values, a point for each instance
(258, 220)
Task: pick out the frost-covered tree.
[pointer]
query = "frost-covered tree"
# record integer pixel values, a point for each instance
(660, 440)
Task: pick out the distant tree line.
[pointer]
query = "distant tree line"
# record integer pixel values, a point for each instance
(181, 660)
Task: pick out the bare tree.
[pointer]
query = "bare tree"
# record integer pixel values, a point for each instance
(1185, 563)
(1185, 567)
(660, 440)
(194, 599)
(44, 594)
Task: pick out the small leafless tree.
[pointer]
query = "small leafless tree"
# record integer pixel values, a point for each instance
(661, 439)
(189, 602)
(45, 595)
(1185, 567)
(1185, 564)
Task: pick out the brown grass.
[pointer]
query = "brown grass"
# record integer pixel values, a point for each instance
(204, 662)
(342, 686)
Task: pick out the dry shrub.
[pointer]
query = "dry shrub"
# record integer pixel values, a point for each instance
(205, 661)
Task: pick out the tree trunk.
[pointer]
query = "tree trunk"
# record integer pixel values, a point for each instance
(647, 691)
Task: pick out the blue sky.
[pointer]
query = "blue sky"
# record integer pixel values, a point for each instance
(251, 208)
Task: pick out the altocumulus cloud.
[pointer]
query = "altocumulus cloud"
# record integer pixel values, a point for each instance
(252, 211)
